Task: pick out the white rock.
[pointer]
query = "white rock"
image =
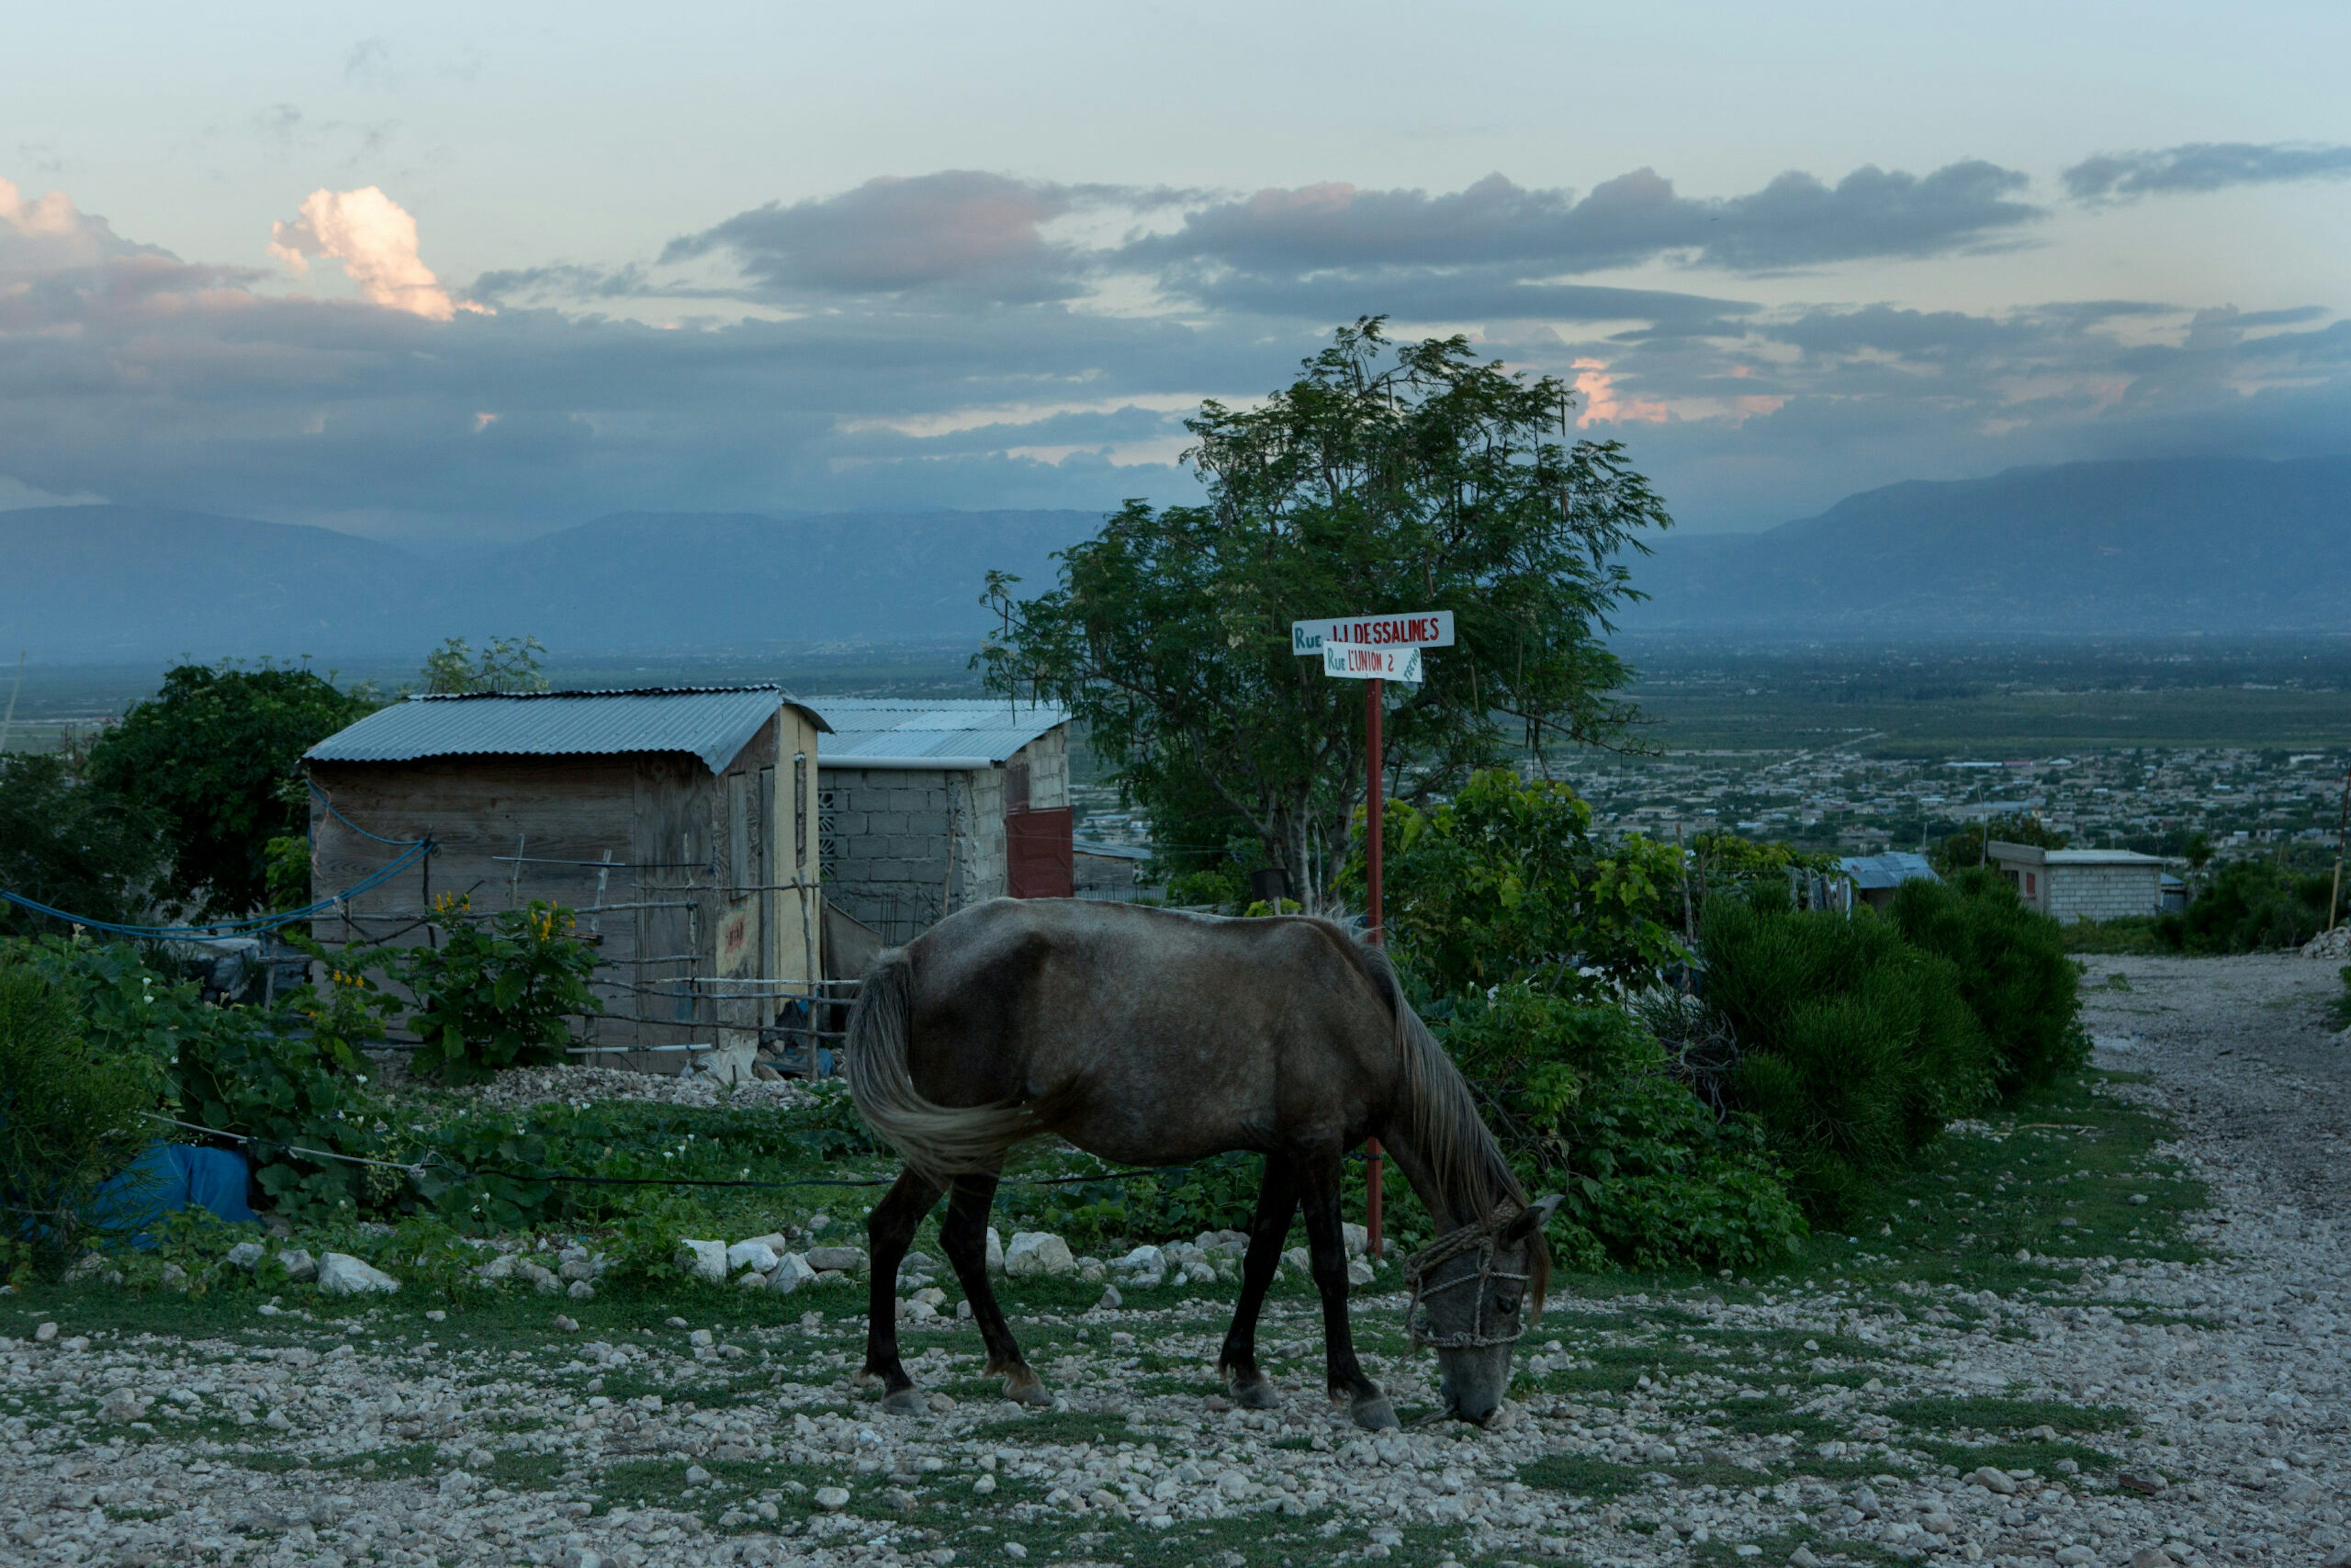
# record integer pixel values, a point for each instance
(755, 1255)
(244, 1255)
(1111, 1299)
(1359, 1272)
(299, 1264)
(832, 1500)
(1299, 1259)
(994, 1251)
(340, 1274)
(1034, 1253)
(790, 1272)
(706, 1260)
(121, 1405)
(44, 1333)
(750, 1279)
(1993, 1481)
(582, 1290)
(1357, 1239)
(1142, 1260)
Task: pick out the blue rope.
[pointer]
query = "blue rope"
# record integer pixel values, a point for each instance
(229, 930)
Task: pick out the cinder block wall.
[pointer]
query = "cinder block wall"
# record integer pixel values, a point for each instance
(2102, 891)
(905, 847)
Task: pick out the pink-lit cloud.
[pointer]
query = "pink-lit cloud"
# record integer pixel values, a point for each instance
(375, 239)
(1602, 404)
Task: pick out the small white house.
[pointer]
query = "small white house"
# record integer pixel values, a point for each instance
(2082, 884)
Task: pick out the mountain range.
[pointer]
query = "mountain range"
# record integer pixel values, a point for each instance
(2143, 548)
(2154, 547)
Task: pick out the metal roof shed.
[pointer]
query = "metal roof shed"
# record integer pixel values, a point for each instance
(930, 804)
(679, 822)
(2081, 884)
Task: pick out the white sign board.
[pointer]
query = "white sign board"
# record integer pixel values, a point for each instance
(1371, 663)
(1412, 629)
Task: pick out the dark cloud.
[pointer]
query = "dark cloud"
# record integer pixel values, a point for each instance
(1794, 221)
(957, 232)
(934, 352)
(2198, 166)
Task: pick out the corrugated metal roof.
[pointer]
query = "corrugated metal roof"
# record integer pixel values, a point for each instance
(942, 733)
(1871, 873)
(710, 722)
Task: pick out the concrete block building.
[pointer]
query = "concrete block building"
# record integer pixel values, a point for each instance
(2081, 884)
(926, 805)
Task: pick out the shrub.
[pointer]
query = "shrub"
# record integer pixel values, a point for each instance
(1587, 1104)
(2013, 972)
(2248, 907)
(69, 846)
(210, 753)
(1856, 1048)
(70, 1118)
(496, 993)
(1505, 883)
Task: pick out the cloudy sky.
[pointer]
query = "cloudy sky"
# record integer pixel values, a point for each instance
(455, 272)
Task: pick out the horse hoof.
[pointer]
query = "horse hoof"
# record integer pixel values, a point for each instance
(906, 1402)
(1374, 1414)
(1030, 1393)
(1258, 1395)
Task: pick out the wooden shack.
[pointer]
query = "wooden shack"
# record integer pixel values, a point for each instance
(930, 804)
(680, 824)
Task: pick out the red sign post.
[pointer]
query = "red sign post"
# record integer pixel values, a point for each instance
(1373, 649)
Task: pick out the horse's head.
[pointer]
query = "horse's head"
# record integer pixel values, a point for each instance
(1471, 1288)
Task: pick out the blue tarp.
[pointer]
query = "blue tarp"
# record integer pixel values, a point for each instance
(167, 1178)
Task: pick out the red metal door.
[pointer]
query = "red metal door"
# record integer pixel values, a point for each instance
(1037, 851)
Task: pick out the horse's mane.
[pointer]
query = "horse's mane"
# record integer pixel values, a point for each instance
(1452, 1139)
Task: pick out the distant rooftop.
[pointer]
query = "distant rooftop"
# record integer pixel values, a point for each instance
(931, 732)
(1871, 873)
(2026, 854)
(713, 723)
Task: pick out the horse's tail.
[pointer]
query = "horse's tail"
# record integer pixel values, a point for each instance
(939, 1142)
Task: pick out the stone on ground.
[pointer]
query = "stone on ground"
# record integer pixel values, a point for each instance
(340, 1274)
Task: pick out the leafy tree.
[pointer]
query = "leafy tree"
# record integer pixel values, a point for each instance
(1387, 476)
(506, 665)
(210, 754)
(70, 846)
(1966, 847)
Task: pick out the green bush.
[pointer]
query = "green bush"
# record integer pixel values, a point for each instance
(496, 993)
(70, 846)
(1505, 883)
(2013, 972)
(2248, 907)
(1587, 1105)
(1855, 1046)
(70, 1118)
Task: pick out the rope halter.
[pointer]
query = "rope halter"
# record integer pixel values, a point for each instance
(1479, 1236)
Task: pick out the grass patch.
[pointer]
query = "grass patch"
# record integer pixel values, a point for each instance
(2008, 1415)
(2011, 1455)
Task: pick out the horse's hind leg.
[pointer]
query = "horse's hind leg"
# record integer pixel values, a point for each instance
(1277, 1202)
(888, 1232)
(964, 1234)
(1319, 1176)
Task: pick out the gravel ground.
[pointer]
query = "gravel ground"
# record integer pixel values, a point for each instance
(1780, 1425)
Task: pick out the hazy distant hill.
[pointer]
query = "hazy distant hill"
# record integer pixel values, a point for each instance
(652, 580)
(2131, 547)
(82, 583)
(102, 582)
(2154, 547)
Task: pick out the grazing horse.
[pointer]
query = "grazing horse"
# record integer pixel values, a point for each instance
(1151, 1037)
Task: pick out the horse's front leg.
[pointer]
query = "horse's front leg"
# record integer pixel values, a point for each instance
(1277, 1202)
(889, 1231)
(1319, 1176)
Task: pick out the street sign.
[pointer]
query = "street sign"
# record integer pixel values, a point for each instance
(1410, 629)
(1377, 649)
(1354, 663)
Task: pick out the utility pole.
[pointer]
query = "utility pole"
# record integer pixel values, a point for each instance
(1374, 826)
